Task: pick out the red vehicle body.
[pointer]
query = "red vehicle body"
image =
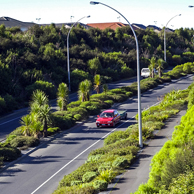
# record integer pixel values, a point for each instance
(108, 118)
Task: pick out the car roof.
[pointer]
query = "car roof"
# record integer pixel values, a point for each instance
(109, 110)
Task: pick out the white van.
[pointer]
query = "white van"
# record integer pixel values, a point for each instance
(145, 72)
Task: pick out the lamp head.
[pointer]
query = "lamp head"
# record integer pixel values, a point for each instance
(94, 2)
(88, 16)
(179, 14)
(191, 6)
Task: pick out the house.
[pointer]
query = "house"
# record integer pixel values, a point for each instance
(67, 25)
(155, 28)
(111, 25)
(138, 26)
(10, 22)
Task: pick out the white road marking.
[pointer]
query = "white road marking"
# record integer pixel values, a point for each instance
(10, 120)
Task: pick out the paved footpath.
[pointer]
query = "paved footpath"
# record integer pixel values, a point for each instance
(138, 173)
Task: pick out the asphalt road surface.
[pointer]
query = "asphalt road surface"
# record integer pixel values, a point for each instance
(41, 171)
(12, 121)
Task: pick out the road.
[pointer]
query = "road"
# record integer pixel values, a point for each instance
(41, 171)
(12, 121)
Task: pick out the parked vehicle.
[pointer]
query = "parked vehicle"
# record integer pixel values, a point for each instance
(109, 118)
(145, 72)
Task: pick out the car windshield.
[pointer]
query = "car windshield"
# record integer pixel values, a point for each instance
(145, 70)
(106, 114)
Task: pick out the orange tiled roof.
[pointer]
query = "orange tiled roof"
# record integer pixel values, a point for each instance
(102, 26)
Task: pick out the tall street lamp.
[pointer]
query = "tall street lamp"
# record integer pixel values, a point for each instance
(138, 73)
(165, 36)
(68, 68)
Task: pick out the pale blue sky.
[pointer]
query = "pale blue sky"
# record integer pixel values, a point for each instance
(146, 12)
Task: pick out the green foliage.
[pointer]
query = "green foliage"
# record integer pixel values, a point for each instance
(89, 176)
(9, 153)
(100, 185)
(44, 86)
(120, 162)
(116, 136)
(11, 103)
(107, 175)
(77, 117)
(62, 96)
(78, 174)
(2, 105)
(63, 121)
(126, 72)
(86, 189)
(21, 141)
(182, 184)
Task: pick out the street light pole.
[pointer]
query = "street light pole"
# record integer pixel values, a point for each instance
(138, 73)
(165, 36)
(68, 68)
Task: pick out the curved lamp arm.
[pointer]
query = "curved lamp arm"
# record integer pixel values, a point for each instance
(138, 72)
(68, 68)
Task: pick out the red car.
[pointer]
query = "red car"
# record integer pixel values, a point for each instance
(108, 118)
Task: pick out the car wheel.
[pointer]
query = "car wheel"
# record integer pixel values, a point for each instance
(113, 125)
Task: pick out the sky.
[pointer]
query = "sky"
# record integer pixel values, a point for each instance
(146, 12)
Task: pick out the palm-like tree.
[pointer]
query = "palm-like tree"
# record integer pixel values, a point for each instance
(44, 117)
(36, 125)
(84, 90)
(62, 96)
(160, 63)
(97, 82)
(39, 97)
(40, 107)
(152, 66)
(26, 125)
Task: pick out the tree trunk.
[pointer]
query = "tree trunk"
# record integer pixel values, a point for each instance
(45, 129)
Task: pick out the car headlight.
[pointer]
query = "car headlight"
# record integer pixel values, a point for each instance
(109, 121)
(97, 121)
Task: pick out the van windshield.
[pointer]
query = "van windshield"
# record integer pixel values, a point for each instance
(145, 70)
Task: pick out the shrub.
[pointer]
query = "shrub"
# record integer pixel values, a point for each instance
(187, 67)
(100, 185)
(63, 122)
(11, 104)
(52, 130)
(74, 104)
(88, 176)
(104, 166)
(76, 183)
(21, 141)
(9, 153)
(120, 162)
(46, 87)
(116, 136)
(86, 189)
(78, 110)
(77, 117)
(2, 105)
(94, 158)
(93, 110)
(110, 102)
(107, 175)
(78, 173)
